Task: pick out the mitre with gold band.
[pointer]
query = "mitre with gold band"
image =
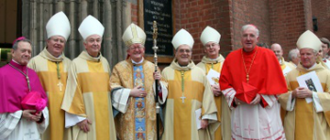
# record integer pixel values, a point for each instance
(309, 40)
(134, 34)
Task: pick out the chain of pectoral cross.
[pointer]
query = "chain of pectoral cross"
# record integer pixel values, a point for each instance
(26, 75)
(60, 85)
(182, 87)
(247, 71)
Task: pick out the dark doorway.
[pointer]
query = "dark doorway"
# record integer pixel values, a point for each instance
(10, 26)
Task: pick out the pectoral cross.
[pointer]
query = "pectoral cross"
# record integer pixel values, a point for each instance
(182, 98)
(247, 78)
(60, 85)
(268, 128)
(249, 129)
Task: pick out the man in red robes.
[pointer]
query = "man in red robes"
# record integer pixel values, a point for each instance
(251, 78)
(16, 82)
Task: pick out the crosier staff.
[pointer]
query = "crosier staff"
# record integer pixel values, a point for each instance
(155, 48)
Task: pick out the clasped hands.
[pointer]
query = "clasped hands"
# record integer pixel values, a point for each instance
(256, 100)
(204, 124)
(216, 90)
(30, 115)
(302, 92)
(84, 125)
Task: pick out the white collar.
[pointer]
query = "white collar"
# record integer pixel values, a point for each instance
(137, 62)
(16, 62)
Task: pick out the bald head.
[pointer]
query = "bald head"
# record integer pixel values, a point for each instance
(277, 49)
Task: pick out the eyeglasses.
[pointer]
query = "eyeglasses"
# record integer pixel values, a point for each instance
(184, 50)
(211, 45)
(94, 40)
(134, 48)
(58, 40)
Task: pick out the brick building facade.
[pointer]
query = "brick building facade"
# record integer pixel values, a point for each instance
(279, 21)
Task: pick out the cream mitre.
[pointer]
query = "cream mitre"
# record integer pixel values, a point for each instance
(90, 26)
(182, 37)
(134, 34)
(309, 40)
(58, 24)
(210, 34)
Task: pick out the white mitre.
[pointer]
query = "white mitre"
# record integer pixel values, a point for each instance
(58, 24)
(210, 34)
(90, 26)
(182, 37)
(134, 34)
(309, 40)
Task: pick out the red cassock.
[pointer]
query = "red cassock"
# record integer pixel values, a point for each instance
(265, 75)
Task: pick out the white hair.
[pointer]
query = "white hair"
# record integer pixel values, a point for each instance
(293, 54)
(244, 27)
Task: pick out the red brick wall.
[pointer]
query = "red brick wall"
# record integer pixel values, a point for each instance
(321, 10)
(279, 21)
(251, 12)
(195, 15)
(288, 19)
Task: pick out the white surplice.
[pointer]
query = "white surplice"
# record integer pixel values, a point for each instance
(14, 127)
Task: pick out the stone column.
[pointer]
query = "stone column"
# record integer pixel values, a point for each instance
(33, 26)
(41, 27)
(71, 43)
(107, 37)
(83, 14)
(96, 10)
(60, 6)
(119, 31)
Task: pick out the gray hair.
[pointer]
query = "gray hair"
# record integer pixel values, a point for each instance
(293, 54)
(15, 46)
(246, 26)
(325, 41)
(85, 40)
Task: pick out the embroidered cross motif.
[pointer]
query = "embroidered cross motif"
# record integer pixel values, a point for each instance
(249, 129)
(235, 127)
(60, 85)
(29, 133)
(268, 128)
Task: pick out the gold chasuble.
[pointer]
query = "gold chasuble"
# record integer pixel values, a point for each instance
(88, 95)
(188, 91)
(223, 114)
(285, 64)
(52, 73)
(139, 120)
(286, 68)
(306, 121)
